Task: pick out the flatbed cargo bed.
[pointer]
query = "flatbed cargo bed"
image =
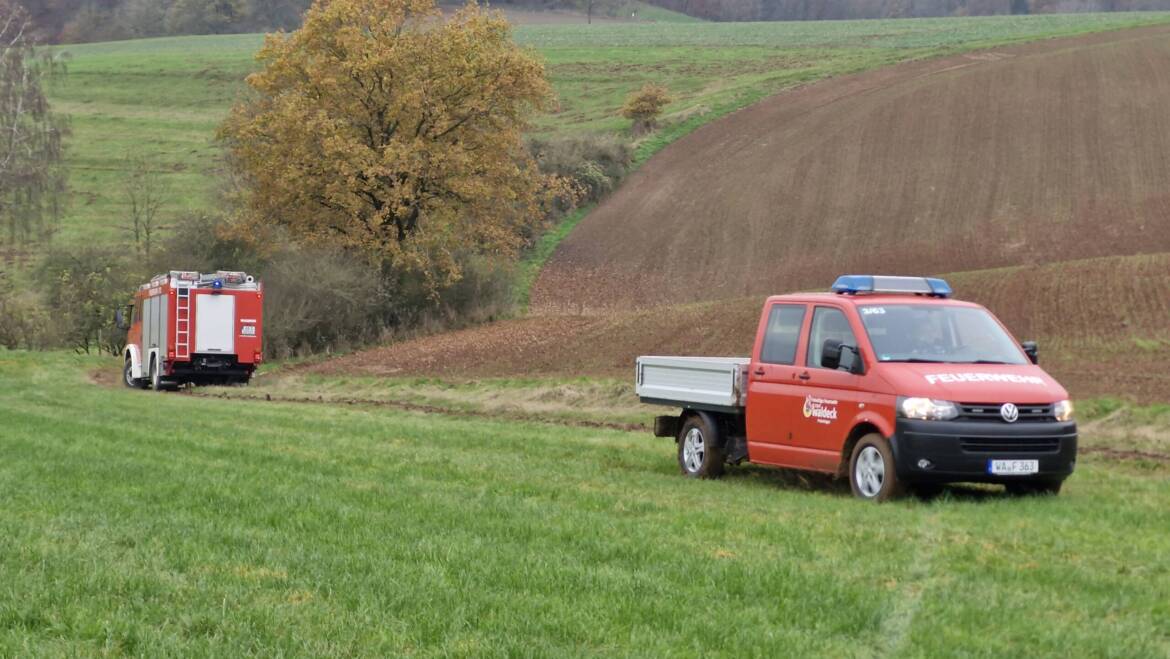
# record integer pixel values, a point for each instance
(702, 383)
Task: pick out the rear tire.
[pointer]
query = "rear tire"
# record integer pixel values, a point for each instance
(872, 474)
(155, 375)
(1034, 488)
(699, 452)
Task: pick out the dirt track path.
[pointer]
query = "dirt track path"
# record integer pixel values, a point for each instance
(1036, 153)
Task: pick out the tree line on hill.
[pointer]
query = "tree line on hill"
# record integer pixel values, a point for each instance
(73, 21)
(66, 21)
(810, 10)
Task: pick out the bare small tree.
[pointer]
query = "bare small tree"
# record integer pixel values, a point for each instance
(32, 178)
(146, 193)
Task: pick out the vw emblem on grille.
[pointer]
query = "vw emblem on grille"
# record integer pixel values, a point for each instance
(1009, 412)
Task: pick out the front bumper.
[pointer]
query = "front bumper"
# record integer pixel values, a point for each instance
(962, 450)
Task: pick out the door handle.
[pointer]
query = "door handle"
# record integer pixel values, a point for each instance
(760, 371)
(804, 376)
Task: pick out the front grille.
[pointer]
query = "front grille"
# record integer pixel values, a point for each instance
(1005, 445)
(990, 412)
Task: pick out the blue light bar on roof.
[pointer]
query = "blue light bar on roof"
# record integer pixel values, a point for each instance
(854, 284)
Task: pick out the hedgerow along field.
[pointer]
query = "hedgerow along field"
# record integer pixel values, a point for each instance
(152, 524)
(165, 97)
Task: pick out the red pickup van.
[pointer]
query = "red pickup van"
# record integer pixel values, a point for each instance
(886, 380)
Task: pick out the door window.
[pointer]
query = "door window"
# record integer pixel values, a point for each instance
(830, 323)
(782, 334)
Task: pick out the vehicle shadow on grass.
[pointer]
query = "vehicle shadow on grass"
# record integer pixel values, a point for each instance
(804, 481)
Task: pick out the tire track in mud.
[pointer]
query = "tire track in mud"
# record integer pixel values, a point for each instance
(407, 406)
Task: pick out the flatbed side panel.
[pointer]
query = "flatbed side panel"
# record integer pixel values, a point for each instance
(698, 381)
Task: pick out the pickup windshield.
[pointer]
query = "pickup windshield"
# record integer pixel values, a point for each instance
(934, 333)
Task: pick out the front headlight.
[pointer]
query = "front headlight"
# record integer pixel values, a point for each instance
(927, 409)
(1063, 410)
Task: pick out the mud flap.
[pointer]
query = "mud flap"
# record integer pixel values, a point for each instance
(667, 426)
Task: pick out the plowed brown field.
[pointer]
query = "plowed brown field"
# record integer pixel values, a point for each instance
(1103, 326)
(1044, 152)
(1039, 173)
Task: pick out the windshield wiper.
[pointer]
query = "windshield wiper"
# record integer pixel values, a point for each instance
(984, 361)
(918, 360)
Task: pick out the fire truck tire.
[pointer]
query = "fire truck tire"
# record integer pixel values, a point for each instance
(155, 375)
(872, 472)
(128, 376)
(1034, 487)
(700, 453)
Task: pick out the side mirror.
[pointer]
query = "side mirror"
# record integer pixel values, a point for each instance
(831, 351)
(1031, 351)
(120, 319)
(831, 354)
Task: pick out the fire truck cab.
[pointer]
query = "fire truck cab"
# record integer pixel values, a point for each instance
(193, 328)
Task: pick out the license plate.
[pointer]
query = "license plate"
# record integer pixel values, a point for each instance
(1013, 467)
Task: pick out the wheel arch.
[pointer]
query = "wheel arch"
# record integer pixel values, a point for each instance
(135, 358)
(721, 424)
(860, 429)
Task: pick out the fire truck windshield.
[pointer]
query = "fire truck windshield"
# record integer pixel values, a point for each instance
(937, 333)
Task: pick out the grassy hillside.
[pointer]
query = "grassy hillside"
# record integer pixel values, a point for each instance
(153, 525)
(166, 96)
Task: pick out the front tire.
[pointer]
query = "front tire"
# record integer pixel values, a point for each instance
(872, 474)
(699, 452)
(128, 376)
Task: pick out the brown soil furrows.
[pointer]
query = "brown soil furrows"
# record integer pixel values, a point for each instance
(1031, 154)
(562, 345)
(1099, 332)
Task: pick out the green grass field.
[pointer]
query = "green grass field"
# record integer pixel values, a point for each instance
(161, 525)
(166, 96)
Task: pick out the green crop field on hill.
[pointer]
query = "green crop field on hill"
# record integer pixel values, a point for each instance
(148, 524)
(165, 97)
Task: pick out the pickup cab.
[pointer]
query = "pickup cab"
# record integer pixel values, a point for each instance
(887, 381)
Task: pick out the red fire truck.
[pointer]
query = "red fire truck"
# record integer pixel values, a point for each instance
(193, 328)
(885, 380)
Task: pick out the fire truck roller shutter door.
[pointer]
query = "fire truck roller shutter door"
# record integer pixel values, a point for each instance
(149, 335)
(215, 323)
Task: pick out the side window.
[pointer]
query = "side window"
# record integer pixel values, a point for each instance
(830, 323)
(782, 334)
(135, 313)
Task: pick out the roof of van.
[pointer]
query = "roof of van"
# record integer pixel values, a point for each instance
(869, 298)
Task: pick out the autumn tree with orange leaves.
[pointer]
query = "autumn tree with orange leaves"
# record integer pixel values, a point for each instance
(383, 127)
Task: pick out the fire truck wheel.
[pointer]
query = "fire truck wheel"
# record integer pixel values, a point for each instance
(699, 452)
(128, 376)
(155, 375)
(1028, 488)
(872, 475)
